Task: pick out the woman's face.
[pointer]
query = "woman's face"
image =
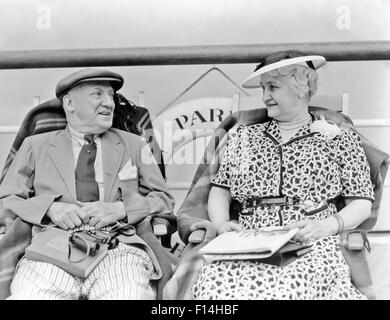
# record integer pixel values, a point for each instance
(280, 95)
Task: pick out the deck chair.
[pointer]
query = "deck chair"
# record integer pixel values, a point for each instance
(50, 116)
(194, 207)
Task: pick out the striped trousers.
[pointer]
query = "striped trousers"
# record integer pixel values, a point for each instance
(123, 274)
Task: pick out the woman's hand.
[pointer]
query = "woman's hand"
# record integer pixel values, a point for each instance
(311, 230)
(228, 226)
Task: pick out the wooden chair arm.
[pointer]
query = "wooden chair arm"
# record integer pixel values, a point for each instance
(160, 226)
(160, 229)
(197, 236)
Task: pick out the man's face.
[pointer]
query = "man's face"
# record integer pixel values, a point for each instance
(90, 107)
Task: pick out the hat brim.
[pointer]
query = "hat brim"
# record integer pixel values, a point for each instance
(115, 83)
(88, 75)
(253, 81)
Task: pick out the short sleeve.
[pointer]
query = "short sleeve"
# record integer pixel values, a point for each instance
(224, 174)
(354, 167)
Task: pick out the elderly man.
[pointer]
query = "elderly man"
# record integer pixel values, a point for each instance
(87, 176)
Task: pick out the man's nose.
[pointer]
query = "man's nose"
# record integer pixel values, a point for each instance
(108, 100)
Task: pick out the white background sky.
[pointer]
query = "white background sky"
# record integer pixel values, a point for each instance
(38, 24)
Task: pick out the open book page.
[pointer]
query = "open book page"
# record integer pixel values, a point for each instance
(236, 256)
(287, 253)
(260, 242)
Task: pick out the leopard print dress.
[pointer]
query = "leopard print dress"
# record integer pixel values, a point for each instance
(309, 166)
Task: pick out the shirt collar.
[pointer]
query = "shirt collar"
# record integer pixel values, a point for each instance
(77, 136)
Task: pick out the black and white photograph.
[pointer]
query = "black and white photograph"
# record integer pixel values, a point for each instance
(178, 151)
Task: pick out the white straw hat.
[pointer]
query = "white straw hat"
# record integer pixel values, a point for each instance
(253, 81)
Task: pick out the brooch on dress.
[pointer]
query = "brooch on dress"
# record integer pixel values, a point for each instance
(326, 128)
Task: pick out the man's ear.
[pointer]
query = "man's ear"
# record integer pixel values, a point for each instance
(67, 103)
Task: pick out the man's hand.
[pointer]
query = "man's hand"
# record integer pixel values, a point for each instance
(102, 213)
(228, 226)
(310, 230)
(67, 215)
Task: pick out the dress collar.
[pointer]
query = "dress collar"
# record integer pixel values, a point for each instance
(272, 130)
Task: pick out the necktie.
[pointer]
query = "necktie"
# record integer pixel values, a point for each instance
(87, 189)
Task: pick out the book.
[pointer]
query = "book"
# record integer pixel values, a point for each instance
(53, 246)
(270, 245)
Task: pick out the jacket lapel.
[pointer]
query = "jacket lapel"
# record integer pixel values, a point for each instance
(112, 154)
(61, 153)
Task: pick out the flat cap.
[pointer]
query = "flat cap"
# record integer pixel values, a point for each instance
(86, 75)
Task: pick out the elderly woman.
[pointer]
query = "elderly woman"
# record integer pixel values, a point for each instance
(294, 166)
